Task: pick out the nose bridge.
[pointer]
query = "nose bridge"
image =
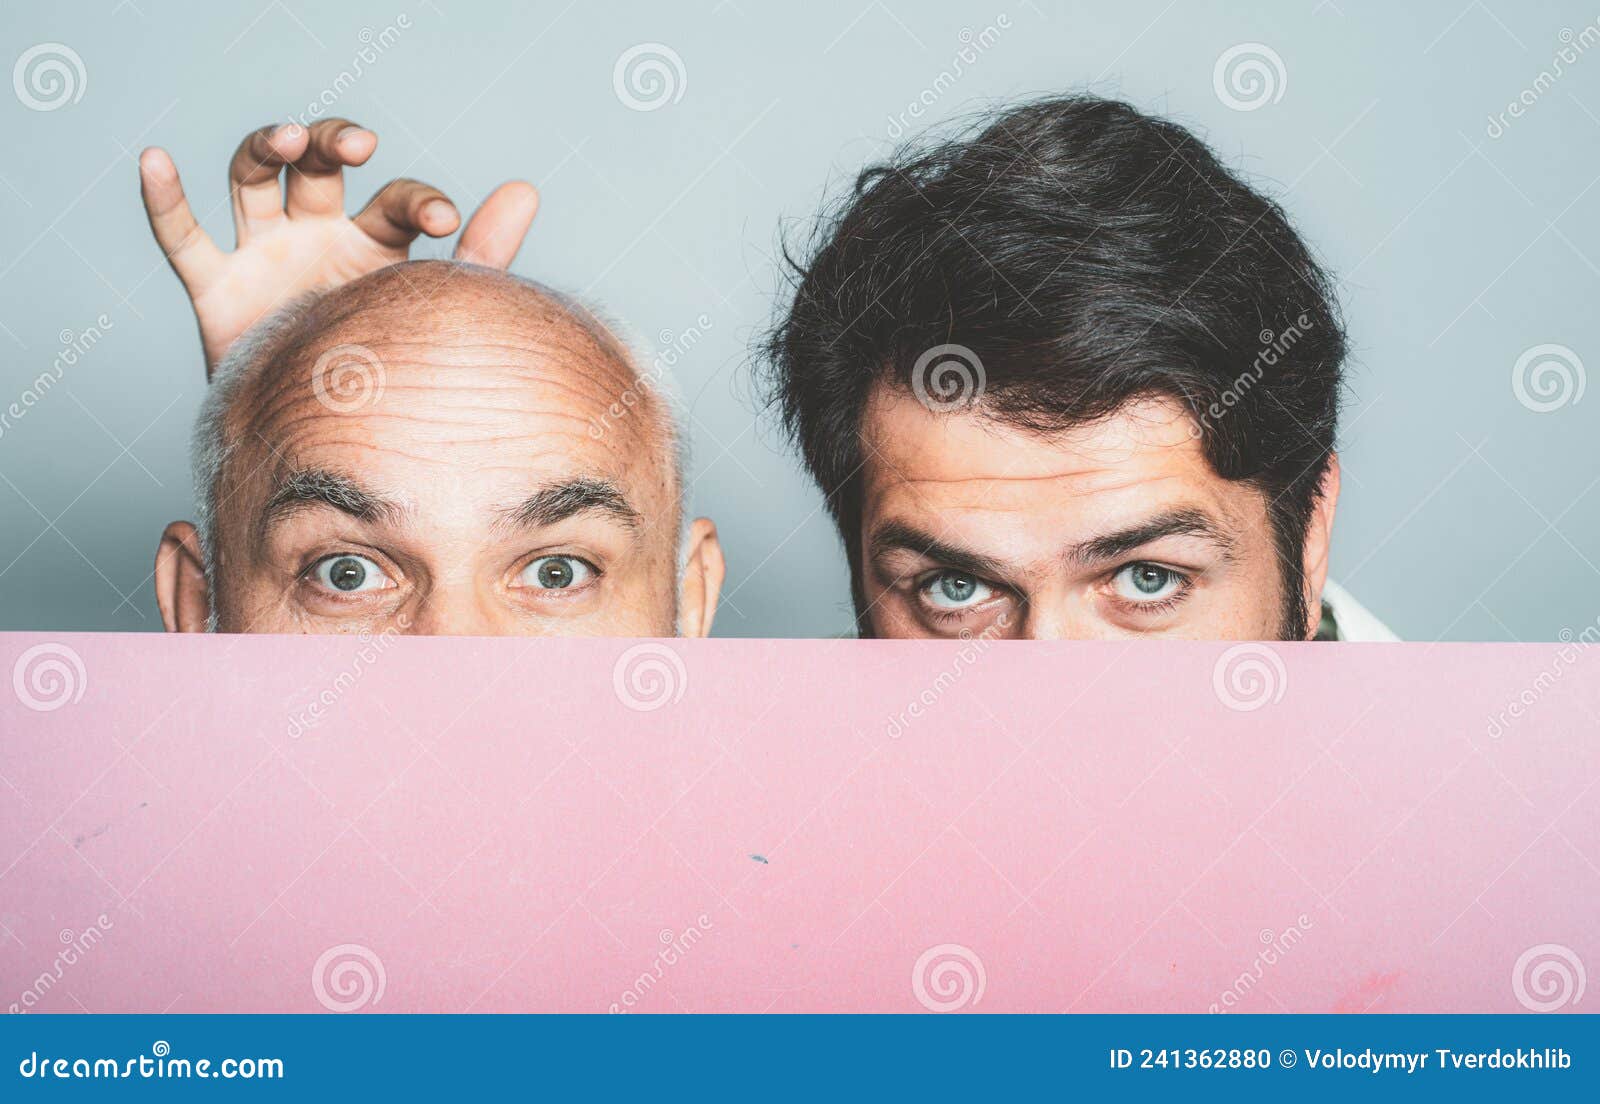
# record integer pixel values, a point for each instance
(1046, 622)
(451, 607)
(1051, 615)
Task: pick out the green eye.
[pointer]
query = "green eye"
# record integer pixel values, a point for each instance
(956, 590)
(556, 573)
(347, 573)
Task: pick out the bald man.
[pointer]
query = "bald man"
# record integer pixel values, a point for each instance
(431, 447)
(415, 452)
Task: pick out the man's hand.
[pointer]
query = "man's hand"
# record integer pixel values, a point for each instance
(298, 238)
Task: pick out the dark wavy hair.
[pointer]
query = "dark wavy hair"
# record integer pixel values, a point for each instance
(1090, 255)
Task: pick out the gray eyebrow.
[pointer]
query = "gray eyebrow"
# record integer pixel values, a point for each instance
(298, 488)
(559, 501)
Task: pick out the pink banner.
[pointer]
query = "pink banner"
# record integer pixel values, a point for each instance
(394, 825)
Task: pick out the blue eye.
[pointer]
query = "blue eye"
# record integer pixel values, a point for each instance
(347, 573)
(556, 573)
(956, 590)
(1147, 582)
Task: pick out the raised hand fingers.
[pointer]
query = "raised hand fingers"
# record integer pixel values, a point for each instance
(497, 228)
(405, 208)
(253, 176)
(316, 180)
(194, 256)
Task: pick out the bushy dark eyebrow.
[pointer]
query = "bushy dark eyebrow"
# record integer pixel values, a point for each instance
(298, 488)
(560, 501)
(1185, 522)
(896, 536)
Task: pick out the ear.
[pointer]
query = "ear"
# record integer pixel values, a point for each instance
(702, 580)
(181, 590)
(1319, 535)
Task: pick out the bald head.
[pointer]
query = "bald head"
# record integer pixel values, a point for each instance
(441, 444)
(437, 321)
(442, 303)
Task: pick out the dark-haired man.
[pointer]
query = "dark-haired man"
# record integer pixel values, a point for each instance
(1069, 377)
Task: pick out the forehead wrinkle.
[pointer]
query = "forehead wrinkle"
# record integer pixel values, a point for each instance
(511, 450)
(419, 329)
(507, 368)
(1150, 425)
(432, 367)
(999, 495)
(432, 405)
(542, 448)
(289, 410)
(428, 306)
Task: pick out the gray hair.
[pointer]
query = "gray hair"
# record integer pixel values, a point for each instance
(213, 444)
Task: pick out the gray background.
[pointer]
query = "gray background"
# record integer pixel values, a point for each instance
(1465, 514)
